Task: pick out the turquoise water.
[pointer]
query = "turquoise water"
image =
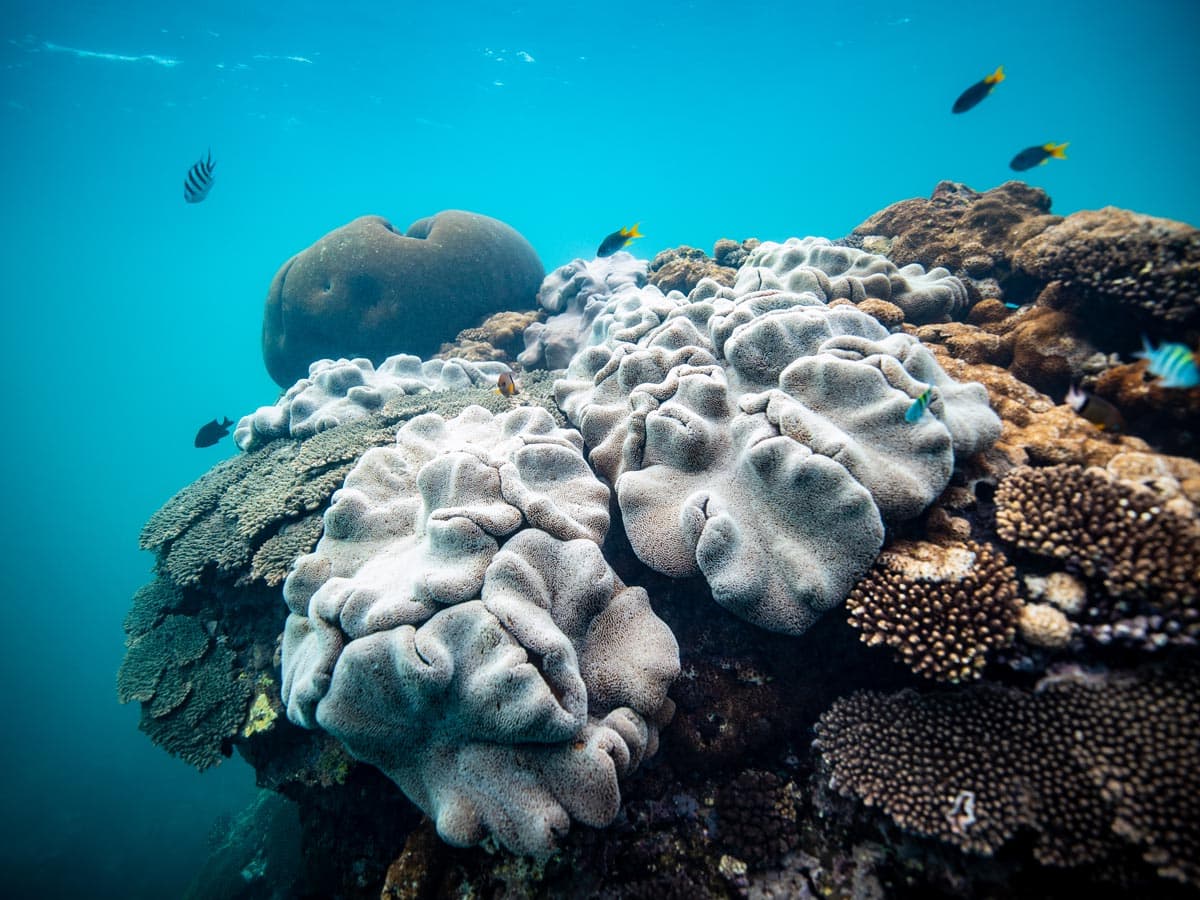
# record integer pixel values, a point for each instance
(130, 317)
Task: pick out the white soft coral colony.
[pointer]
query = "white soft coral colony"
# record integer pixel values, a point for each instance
(503, 688)
(758, 437)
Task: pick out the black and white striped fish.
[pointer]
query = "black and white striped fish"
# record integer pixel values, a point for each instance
(199, 180)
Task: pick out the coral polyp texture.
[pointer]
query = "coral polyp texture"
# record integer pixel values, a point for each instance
(1093, 765)
(939, 608)
(761, 441)
(588, 299)
(832, 272)
(340, 391)
(458, 628)
(1142, 558)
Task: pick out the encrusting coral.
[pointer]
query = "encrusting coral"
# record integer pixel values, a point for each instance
(939, 608)
(682, 268)
(503, 688)
(1091, 764)
(973, 234)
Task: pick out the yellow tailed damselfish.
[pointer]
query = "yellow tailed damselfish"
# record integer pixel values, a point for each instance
(976, 92)
(618, 240)
(1037, 156)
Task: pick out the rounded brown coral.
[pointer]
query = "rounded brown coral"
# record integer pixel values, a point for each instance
(940, 608)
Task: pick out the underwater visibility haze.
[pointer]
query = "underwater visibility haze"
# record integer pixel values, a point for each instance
(133, 314)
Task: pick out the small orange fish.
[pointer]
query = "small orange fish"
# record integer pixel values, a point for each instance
(507, 386)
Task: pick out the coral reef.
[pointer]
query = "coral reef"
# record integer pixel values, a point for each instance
(1140, 558)
(747, 435)
(340, 391)
(1091, 764)
(974, 235)
(365, 289)
(830, 272)
(504, 716)
(499, 649)
(1121, 268)
(940, 608)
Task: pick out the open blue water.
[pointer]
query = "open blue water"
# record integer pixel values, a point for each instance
(130, 318)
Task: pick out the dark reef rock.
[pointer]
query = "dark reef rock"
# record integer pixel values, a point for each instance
(974, 235)
(367, 290)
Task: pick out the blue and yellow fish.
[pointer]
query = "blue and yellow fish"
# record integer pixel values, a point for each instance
(1174, 364)
(618, 240)
(976, 92)
(1037, 156)
(918, 407)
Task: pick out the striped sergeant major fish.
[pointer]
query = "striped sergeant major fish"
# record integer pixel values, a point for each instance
(199, 180)
(1174, 364)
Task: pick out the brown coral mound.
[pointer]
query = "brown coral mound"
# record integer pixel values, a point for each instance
(1092, 764)
(940, 608)
(973, 235)
(365, 289)
(1116, 261)
(681, 268)
(1115, 535)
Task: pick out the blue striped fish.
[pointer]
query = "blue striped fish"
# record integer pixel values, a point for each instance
(199, 180)
(919, 406)
(1174, 364)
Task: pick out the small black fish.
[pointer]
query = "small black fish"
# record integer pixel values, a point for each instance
(1037, 156)
(199, 180)
(212, 432)
(1095, 409)
(976, 92)
(617, 240)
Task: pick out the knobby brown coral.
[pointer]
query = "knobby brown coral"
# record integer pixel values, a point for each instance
(1111, 533)
(940, 608)
(1093, 764)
